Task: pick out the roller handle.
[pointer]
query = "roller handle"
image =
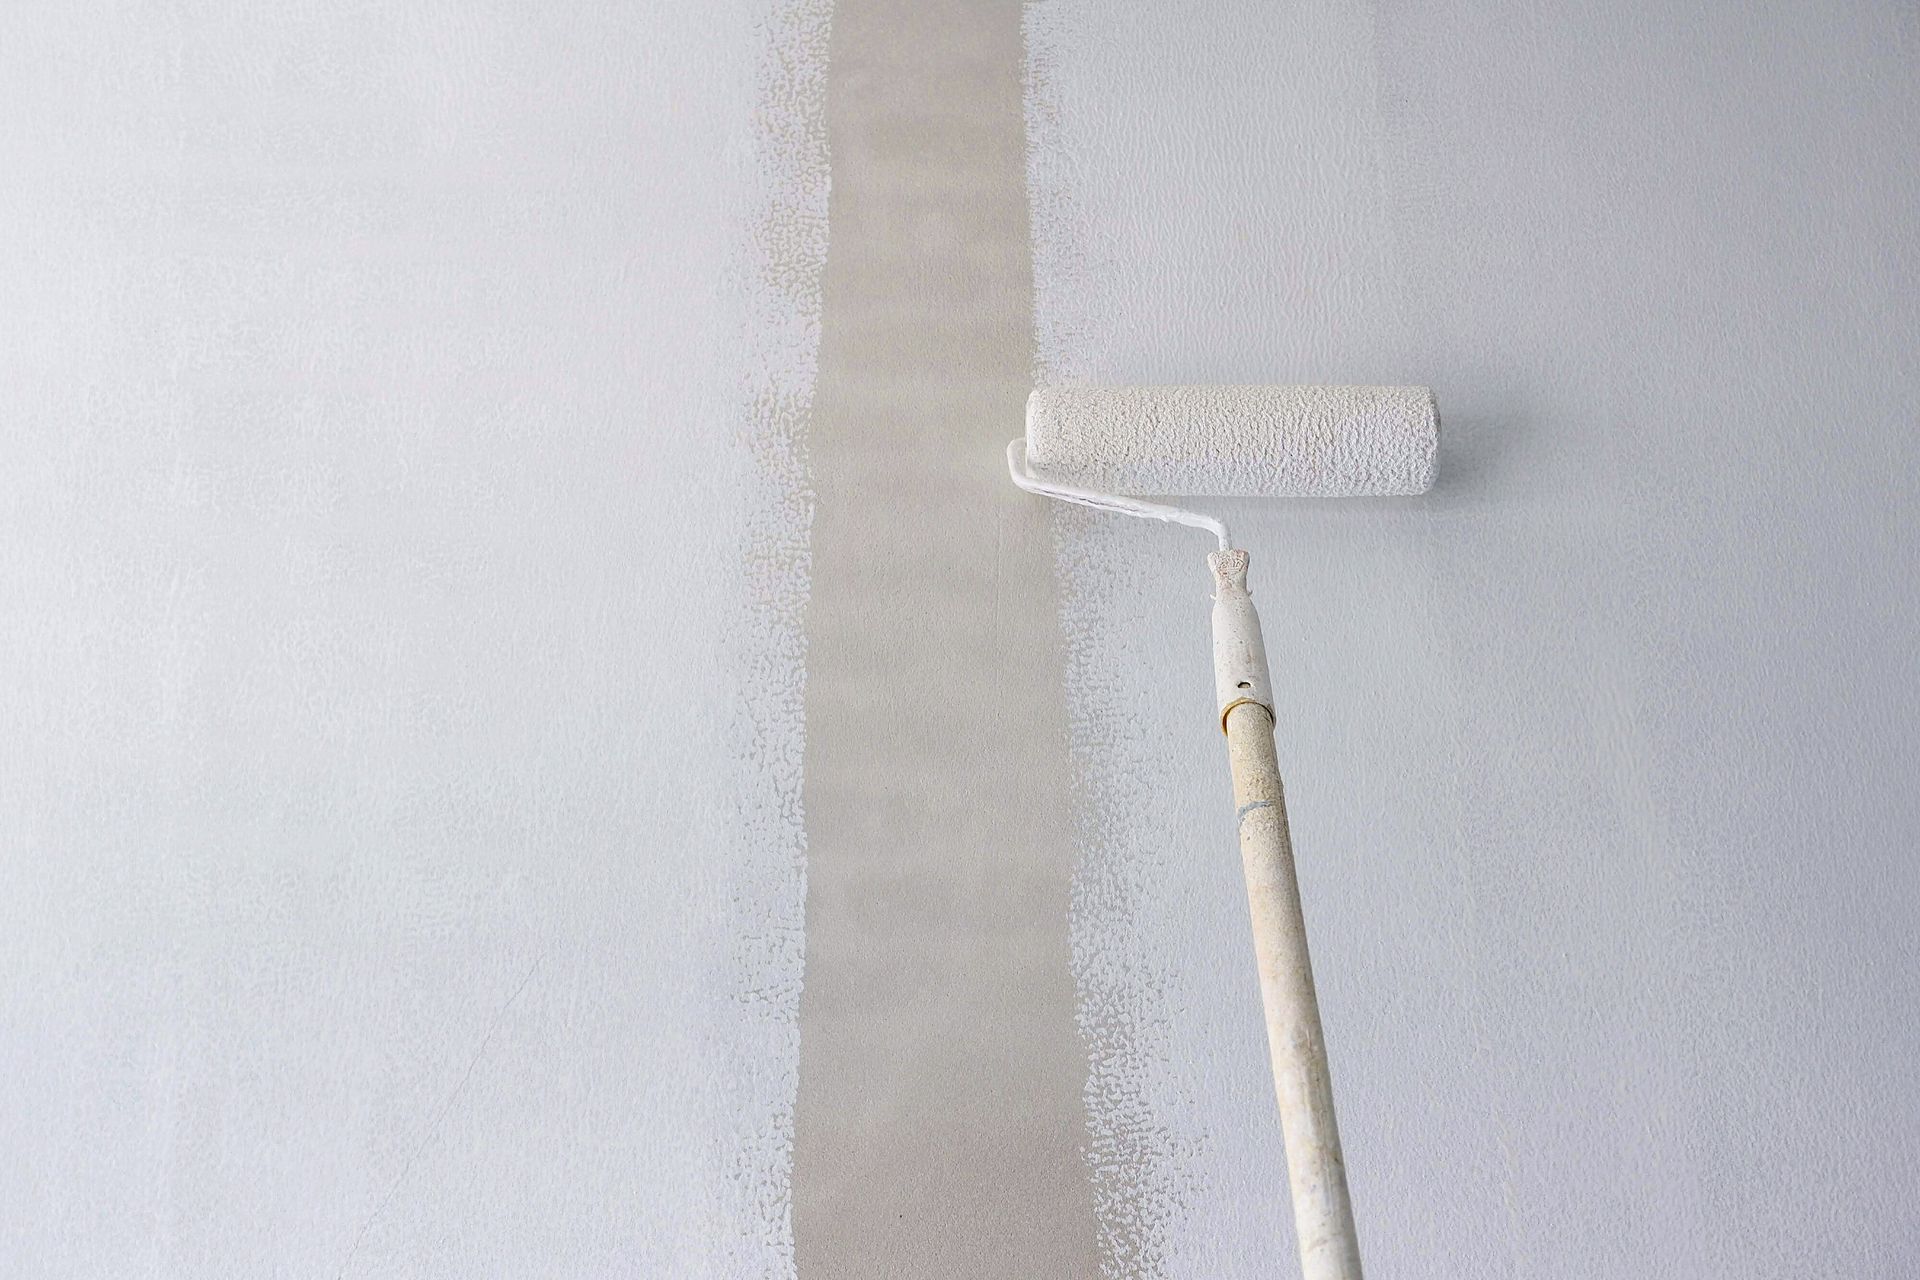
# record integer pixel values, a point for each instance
(1322, 1212)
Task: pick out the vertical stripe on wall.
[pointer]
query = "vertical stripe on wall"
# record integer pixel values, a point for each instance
(939, 1127)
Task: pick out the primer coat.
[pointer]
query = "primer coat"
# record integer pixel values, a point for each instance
(401, 564)
(1600, 757)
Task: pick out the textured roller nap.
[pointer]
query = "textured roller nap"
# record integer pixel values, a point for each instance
(1290, 442)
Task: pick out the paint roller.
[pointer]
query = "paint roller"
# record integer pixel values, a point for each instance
(1095, 446)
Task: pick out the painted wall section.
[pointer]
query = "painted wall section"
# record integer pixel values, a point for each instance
(402, 560)
(1600, 758)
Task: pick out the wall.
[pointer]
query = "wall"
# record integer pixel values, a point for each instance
(1600, 757)
(938, 1122)
(403, 560)
(539, 741)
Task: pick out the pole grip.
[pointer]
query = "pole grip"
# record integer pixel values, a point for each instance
(1322, 1210)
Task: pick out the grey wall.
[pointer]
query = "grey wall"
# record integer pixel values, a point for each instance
(456, 815)
(1601, 757)
(938, 1124)
(401, 554)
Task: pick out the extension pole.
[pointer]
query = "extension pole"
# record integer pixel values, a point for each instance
(1322, 1213)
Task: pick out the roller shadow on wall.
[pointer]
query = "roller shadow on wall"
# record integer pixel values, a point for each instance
(1482, 438)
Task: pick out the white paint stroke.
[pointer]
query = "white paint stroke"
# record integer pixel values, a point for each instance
(1598, 756)
(1186, 1165)
(780, 265)
(401, 864)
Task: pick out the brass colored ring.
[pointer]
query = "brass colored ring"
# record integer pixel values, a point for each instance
(1238, 702)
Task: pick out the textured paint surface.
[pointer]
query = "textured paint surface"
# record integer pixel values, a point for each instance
(939, 1124)
(1181, 441)
(401, 568)
(1601, 757)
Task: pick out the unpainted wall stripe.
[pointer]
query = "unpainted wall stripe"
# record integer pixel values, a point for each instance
(939, 1124)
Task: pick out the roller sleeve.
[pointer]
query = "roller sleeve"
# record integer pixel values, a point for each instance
(1287, 442)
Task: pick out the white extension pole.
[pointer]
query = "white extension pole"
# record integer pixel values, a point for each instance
(1322, 1214)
